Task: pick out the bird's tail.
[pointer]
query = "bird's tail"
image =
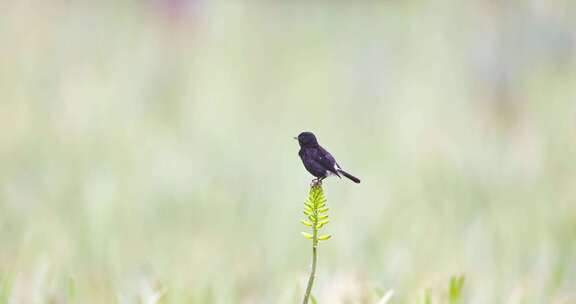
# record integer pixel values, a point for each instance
(349, 176)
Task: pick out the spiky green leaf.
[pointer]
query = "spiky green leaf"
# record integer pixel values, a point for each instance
(313, 300)
(455, 288)
(321, 224)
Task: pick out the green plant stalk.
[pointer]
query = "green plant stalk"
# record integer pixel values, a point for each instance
(314, 262)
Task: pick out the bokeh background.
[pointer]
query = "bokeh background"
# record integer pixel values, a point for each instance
(146, 150)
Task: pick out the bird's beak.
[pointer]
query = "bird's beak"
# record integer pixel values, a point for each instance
(295, 138)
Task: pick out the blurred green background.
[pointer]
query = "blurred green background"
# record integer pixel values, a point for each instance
(146, 150)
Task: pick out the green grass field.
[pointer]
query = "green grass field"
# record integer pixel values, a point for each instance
(146, 151)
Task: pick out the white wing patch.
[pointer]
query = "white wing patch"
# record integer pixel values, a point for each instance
(330, 173)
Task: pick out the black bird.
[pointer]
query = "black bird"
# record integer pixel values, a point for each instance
(317, 160)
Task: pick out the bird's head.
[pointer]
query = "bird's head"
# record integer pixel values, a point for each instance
(306, 139)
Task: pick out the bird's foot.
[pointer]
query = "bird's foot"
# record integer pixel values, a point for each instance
(316, 182)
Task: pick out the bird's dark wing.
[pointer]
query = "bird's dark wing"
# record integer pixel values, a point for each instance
(326, 160)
